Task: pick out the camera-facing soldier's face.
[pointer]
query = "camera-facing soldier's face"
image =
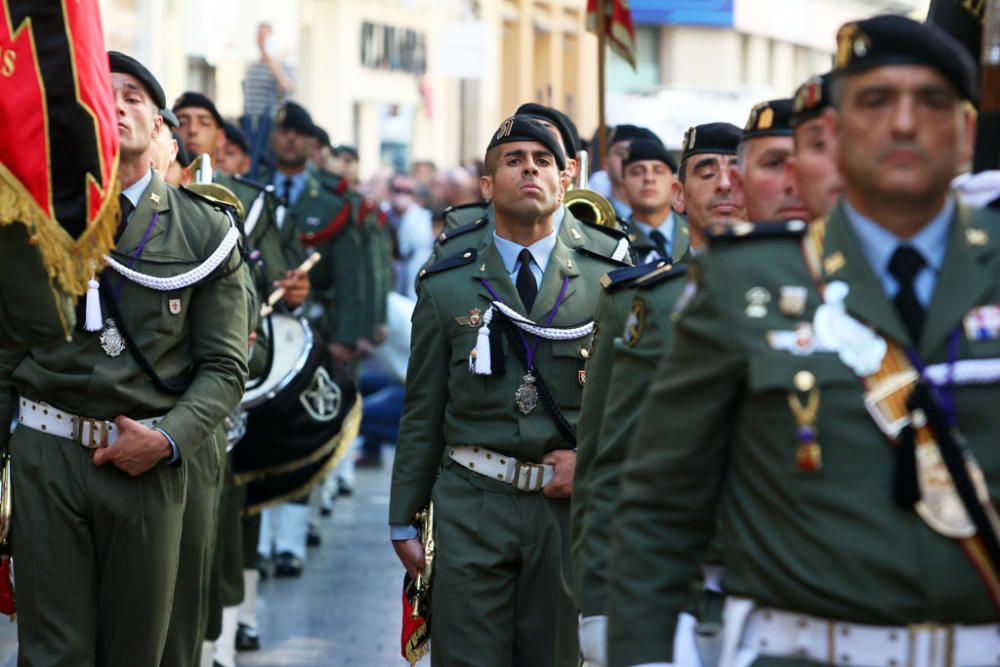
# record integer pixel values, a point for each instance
(526, 181)
(769, 191)
(139, 120)
(291, 147)
(200, 131)
(707, 192)
(814, 166)
(647, 186)
(903, 132)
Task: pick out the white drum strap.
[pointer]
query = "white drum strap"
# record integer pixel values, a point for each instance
(254, 215)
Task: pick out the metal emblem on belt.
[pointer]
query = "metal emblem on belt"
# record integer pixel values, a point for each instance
(111, 339)
(526, 395)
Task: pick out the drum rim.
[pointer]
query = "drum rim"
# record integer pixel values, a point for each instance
(297, 367)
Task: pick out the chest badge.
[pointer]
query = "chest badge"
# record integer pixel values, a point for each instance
(982, 323)
(111, 340)
(174, 305)
(312, 221)
(757, 300)
(792, 300)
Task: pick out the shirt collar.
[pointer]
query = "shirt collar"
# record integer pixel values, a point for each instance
(879, 244)
(540, 250)
(298, 180)
(134, 192)
(666, 227)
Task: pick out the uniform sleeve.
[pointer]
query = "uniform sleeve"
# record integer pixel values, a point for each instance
(671, 480)
(218, 344)
(420, 443)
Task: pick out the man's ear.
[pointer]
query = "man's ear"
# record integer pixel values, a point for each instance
(677, 199)
(486, 187)
(157, 125)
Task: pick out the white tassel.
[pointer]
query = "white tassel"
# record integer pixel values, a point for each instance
(95, 321)
(480, 362)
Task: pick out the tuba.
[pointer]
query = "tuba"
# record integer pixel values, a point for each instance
(586, 204)
(200, 174)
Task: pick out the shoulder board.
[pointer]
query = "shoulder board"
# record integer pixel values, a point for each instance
(623, 277)
(615, 233)
(757, 230)
(339, 221)
(459, 207)
(340, 189)
(659, 275)
(253, 184)
(211, 201)
(596, 255)
(467, 256)
(464, 229)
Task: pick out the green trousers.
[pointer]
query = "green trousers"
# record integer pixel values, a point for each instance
(189, 615)
(226, 586)
(95, 555)
(498, 598)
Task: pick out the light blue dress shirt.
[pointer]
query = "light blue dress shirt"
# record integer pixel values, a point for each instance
(666, 228)
(878, 245)
(622, 210)
(298, 184)
(540, 251)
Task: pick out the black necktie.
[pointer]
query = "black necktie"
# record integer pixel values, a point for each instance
(904, 266)
(527, 288)
(657, 237)
(127, 208)
(287, 192)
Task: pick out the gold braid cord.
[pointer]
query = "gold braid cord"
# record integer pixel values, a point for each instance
(68, 262)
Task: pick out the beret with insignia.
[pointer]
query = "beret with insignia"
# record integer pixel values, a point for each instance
(192, 99)
(630, 133)
(811, 99)
(896, 40)
(235, 135)
(772, 118)
(120, 62)
(647, 149)
(719, 138)
(345, 149)
(525, 128)
(170, 119)
(322, 136)
(293, 116)
(567, 129)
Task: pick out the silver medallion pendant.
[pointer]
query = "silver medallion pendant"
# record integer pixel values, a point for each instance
(526, 395)
(112, 341)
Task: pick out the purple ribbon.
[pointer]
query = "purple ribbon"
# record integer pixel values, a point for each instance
(530, 350)
(946, 391)
(135, 253)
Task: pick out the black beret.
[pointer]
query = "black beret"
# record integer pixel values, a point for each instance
(235, 135)
(772, 118)
(720, 138)
(890, 39)
(523, 128)
(345, 148)
(183, 157)
(199, 101)
(630, 133)
(647, 149)
(322, 136)
(566, 127)
(293, 116)
(170, 119)
(120, 62)
(811, 99)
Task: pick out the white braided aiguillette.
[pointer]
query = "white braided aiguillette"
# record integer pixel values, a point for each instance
(549, 333)
(185, 279)
(965, 372)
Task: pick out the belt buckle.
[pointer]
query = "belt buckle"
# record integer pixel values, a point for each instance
(527, 482)
(883, 390)
(931, 644)
(97, 434)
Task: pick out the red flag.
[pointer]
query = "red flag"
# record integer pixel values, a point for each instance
(58, 134)
(618, 26)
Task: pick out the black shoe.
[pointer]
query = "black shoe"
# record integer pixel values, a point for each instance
(343, 488)
(247, 638)
(313, 538)
(287, 565)
(326, 510)
(263, 567)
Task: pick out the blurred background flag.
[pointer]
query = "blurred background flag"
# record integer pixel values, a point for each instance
(58, 135)
(618, 28)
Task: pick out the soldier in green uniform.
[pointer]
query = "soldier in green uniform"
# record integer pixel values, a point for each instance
(814, 163)
(114, 423)
(655, 230)
(501, 332)
(635, 334)
(841, 527)
(770, 190)
(619, 140)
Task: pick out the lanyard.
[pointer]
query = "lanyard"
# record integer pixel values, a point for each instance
(135, 254)
(946, 391)
(531, 349)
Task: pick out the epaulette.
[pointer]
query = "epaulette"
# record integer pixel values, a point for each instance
(253, 184)
(340, 189)
(459, 207)
(312, 239)
(620, 278)
(211, 201)
(616, 234)
(596, 255)
(464, 229)
(659, 275)
(756, 230)
(467, 256)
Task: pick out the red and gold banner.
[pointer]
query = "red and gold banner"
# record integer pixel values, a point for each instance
(618, 26)
(58, 134)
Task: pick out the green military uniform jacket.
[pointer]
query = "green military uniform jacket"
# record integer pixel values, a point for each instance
(377, 247)
(635, 333)
(447, 405)
(717, 443)
(198, 333)
(31, 310)
(642, 245)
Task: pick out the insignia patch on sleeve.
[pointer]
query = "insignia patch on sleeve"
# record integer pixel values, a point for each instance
(633, 325)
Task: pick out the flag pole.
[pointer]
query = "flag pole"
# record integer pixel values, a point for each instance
(602, 36)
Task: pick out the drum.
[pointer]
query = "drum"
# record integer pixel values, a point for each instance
(300, 419)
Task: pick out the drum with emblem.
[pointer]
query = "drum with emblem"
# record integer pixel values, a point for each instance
(300, 419)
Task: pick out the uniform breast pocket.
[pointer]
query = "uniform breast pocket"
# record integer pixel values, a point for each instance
(466, 389)
(565, 374)
(172, 314)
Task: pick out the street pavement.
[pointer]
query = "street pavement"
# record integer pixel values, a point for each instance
(344, 611)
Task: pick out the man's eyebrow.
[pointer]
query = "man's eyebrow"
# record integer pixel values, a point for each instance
(705, 162)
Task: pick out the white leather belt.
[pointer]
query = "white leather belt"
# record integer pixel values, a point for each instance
(522, 476)
(91, 433)
(786, 634)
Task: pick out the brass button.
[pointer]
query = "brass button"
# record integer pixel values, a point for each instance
(804, 381)
(585, 353)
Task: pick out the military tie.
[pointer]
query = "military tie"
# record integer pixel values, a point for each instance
(127, 207)
(904, 266)
(527, 288)
(286, 192)
(657, 237)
